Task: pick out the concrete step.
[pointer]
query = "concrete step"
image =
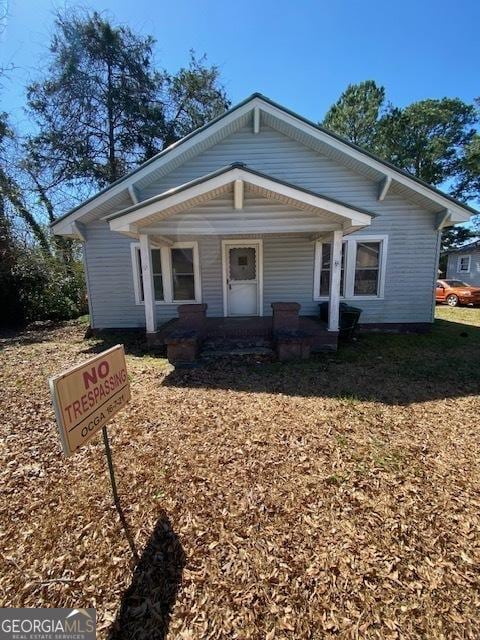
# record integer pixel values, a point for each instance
(237, 342)
(236, 351)
(238, 346)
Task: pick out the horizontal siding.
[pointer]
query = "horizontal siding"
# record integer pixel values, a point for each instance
(288, 266)
(472, 278)
(288, 272)
(288, 261)
(276, 155)
(110, 278)
(112, 295)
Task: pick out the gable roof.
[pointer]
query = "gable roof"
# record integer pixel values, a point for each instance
(240, 171)
(470, 246)
(200, 190)
(253, 108)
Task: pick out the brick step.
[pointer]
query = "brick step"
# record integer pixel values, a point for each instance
(236, 346)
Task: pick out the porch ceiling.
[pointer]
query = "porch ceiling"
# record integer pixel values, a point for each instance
(235, 184)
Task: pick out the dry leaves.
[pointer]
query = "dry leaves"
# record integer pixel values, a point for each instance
(265, 501)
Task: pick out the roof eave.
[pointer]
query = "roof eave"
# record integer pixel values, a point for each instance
(460, 211)
(124, 219)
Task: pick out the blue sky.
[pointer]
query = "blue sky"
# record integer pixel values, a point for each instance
(300, 53)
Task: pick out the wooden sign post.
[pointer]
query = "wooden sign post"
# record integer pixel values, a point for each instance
(85, 398)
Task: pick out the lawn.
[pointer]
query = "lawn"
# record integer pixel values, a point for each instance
(337, 498)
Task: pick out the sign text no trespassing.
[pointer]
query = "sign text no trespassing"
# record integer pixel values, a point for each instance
(85, 397)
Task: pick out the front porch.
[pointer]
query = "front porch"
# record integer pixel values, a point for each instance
(251, 327)
(239, 242)
(289, 336)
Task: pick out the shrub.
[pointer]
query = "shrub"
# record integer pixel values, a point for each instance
(39, 287)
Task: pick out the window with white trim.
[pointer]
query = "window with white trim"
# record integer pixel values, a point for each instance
(463, 265)
(175, 273)
(183, 274)
(367, 269)
(362, 269)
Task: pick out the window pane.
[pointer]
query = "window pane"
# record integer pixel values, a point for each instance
(326, 250)
(367, 269)
(140, 273)
(366, 282)
(184, 288)
(182, 260)
(183, 274)
(242, 261)
(156, 261)
(368, 254)
(324, 282)
(158, 287)
(464, 264)
(157, 274)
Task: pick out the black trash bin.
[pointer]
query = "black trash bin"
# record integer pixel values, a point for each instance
(348, 320)
(324, 310)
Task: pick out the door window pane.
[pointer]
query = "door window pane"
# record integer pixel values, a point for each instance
(367, 268)
(183, 274)
(325, 269)
(243, 263)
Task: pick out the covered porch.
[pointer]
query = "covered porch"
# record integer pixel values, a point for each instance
(243, 235)
(245, 335)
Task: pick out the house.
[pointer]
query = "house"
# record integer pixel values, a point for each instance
(261, 206)
(464, 263)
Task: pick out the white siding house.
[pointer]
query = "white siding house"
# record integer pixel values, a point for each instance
(464, 264)
(262, 206)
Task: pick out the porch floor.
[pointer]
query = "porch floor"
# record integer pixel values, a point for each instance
(250, 328)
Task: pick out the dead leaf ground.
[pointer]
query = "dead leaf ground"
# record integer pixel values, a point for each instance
(333, 499)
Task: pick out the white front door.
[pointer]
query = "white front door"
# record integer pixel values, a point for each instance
(242, 271)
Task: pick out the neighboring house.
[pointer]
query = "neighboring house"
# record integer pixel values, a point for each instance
(262, 206)
(464, 263)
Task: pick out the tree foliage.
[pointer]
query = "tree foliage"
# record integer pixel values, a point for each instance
(431, 139)
(97, 103)
(36, 286)
(356, 114)
(194, 97)
(428, 138)
(434, 140)
(11, 195)
(468, 183)
(103, 106)
(100, 108)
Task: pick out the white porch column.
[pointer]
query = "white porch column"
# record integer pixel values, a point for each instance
(335, 274)
(147, 277)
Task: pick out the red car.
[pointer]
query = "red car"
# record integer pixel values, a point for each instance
(455, 292)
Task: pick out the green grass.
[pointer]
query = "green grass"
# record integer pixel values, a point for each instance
(391, 368)
(454, 335)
